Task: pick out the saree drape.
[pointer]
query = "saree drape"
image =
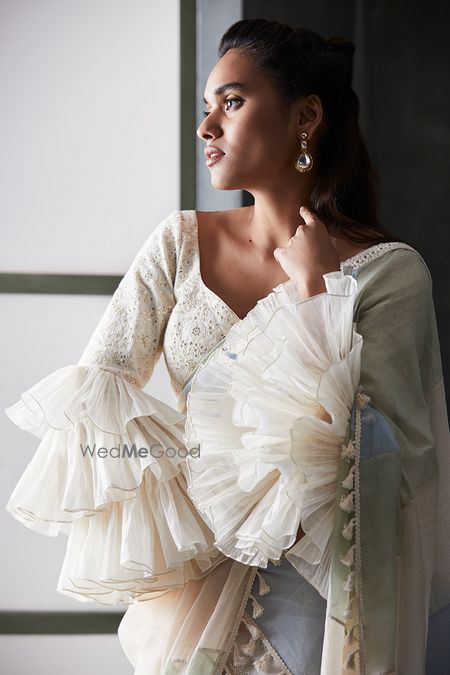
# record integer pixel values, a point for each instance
(328, 412)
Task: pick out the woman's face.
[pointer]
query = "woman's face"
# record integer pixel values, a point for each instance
(255, 129)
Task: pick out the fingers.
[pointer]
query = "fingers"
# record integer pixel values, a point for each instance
(279, 252)
(309, 218)
(307, 215)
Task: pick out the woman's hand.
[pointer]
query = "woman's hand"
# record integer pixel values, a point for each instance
(308, 255)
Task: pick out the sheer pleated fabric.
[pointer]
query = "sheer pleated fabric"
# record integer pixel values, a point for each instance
(271, 411)
(86, 481)
(331, 415)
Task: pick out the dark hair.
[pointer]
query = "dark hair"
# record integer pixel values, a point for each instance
(302, 62)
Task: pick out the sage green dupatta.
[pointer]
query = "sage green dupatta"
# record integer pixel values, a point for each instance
(402, 468)
(374, 499)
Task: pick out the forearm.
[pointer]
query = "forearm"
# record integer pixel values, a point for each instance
(306, 289)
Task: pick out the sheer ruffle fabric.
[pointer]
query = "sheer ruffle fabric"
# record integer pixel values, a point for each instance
(271, 410)
(190, 630)
(85, 481)
(186, 599)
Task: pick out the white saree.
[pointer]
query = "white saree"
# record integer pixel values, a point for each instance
(328, 413)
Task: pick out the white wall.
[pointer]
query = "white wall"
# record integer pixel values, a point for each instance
(89, 131)
(63, 655)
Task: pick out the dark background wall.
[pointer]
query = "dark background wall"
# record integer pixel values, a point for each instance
(402, 77)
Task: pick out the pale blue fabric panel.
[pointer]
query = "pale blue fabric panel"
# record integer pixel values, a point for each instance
(293, 619)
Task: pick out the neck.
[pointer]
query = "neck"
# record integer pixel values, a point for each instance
(274, 217)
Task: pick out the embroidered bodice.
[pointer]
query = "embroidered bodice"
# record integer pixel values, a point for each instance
(162, 306)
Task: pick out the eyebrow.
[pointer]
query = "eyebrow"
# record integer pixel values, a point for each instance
(224, 87)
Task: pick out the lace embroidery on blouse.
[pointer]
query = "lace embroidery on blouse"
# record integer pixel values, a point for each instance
(162, 306)
(376, 251)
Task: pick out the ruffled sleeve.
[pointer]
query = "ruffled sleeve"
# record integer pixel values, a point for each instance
(108, 471)
(270, 411)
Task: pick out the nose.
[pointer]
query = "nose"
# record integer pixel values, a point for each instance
(208, 129)
(201, 130)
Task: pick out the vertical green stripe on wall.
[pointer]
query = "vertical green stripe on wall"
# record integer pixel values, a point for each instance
(188, 114)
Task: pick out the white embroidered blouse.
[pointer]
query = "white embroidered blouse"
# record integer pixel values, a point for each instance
(164, 287)
(162, 306)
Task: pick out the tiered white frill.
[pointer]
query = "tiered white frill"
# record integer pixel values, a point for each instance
(270, 411)
(131, 527)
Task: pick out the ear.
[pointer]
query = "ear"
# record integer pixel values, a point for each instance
(310, 114)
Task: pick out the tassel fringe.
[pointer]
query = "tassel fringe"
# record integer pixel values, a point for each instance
(249, 647)
(262, 665)
(348, 451)
(264, 587)
(349, 611)
(239, 659)
(254, 631)
(349, 558)
(348, 483)
(350, 503)
(257, 608)
(350, 635)
(350, 582)
(350, 663)
(349, 529)
(362, 399)
(347, 503)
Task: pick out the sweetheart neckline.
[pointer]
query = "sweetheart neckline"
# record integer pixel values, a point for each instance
(283, 283)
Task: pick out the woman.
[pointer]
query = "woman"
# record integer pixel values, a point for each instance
(284, 519)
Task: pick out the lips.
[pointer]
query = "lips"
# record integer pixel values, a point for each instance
(211, 152)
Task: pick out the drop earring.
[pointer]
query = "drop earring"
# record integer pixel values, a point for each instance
(304, 161)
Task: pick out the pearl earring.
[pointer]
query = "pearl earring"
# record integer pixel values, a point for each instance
(304, 161)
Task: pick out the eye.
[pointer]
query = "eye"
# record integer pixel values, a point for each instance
(227, 100)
